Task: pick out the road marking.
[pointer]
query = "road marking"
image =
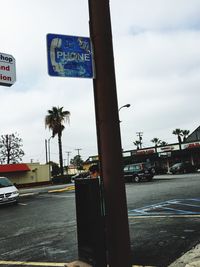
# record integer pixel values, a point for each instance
(22, 204)
(164, 216)
(188, 206)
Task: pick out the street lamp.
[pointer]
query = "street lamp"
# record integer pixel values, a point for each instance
(124, 106)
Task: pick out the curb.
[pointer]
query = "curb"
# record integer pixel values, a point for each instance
(65, 189)
(68, 188)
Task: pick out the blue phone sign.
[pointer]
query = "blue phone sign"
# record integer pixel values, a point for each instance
(69, 56)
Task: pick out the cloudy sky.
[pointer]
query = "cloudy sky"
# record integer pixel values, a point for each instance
(157, 62)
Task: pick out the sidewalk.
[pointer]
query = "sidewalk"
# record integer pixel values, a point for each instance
(189, 259)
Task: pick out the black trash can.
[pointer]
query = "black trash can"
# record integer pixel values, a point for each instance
(90, 222)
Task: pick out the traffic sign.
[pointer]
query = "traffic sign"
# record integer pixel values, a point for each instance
(7, 70)
(69, 56)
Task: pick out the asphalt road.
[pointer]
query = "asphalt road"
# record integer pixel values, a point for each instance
(164, 220)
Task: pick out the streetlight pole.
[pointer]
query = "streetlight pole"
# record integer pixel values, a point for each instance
(124, 106)
(46, 151)
(68, 153)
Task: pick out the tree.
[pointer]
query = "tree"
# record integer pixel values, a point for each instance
(55, 169)
(77, 161)
(137, 144)
(156, 142)
(54, 120)
(10, 148)
(185, 134)
(163, 143)
(179, 133)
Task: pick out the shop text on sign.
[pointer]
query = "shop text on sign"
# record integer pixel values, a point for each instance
(7, 70)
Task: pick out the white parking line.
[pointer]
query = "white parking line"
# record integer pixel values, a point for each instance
(163, 216)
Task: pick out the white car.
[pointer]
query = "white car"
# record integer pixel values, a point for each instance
(8, 192)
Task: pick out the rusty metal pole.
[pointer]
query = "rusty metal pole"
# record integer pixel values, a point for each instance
(108, 134)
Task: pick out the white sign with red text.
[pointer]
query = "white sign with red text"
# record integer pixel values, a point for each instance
(7, 70)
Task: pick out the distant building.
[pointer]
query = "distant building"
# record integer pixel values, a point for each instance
(71, 169)
(26, 173)
(90, 161)
(162, 157)
(194, 136)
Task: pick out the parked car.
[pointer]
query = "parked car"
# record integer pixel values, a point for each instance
(160, 170)
(182, 167)
(138, 172)
(8, 192)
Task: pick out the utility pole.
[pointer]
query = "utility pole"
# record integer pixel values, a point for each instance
(49, 150)
(78, 149)
(108, 135)
(139, 134)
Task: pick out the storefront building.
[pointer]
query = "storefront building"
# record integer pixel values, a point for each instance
(23, 174)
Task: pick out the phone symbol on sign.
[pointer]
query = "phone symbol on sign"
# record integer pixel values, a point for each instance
(55, 44)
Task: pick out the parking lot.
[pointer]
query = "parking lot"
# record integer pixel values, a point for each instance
(163, 221)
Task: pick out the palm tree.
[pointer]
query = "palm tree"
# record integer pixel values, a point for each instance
(54, 121)
(163, 143)
(156, 141)
(179, 133)
(185, 134)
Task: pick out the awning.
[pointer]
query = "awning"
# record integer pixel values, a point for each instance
(20, 167)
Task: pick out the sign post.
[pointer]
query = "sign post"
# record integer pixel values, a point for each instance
(69, 56)
(108, 133)
(7, 70)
